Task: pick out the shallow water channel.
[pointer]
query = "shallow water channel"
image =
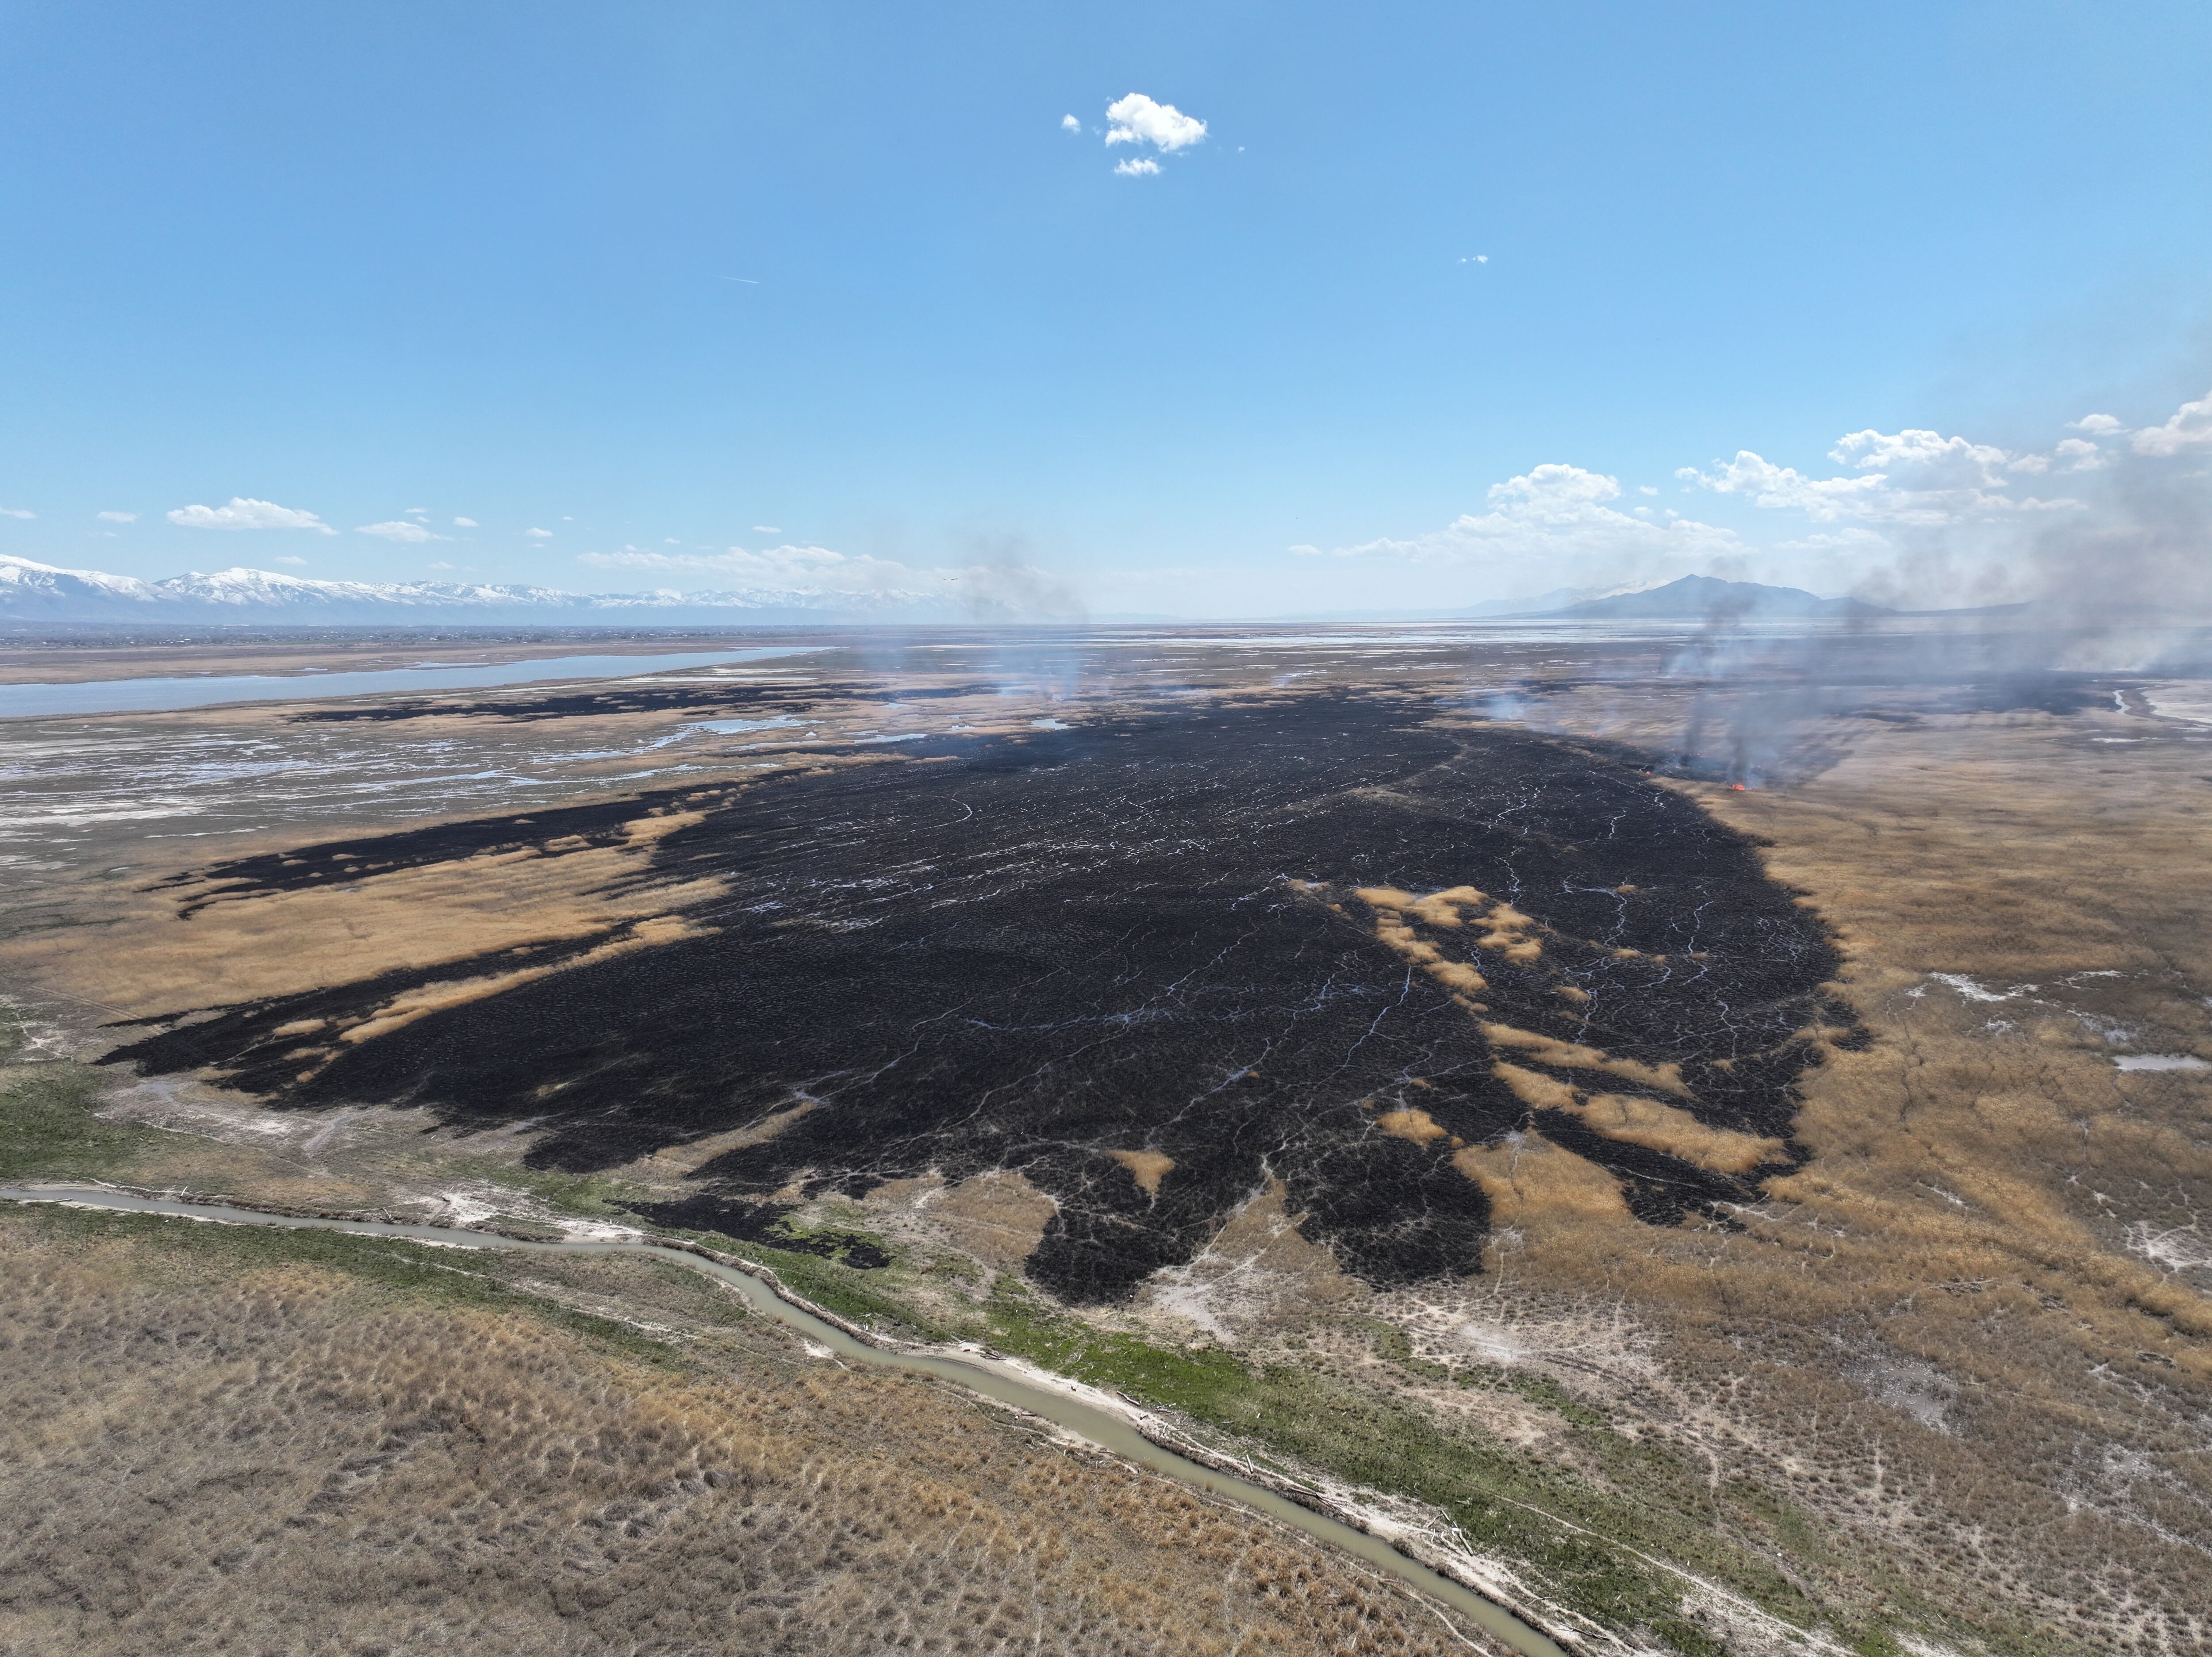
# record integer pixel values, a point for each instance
(979, 1375)
(153, 695)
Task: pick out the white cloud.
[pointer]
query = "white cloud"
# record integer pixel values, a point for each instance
(245, 512)
(539, 535)
(1069, 124)
(15, 511)
(465, 523)
(1134, 169)
(1136, 119)
(2099, 424)
(785, 569)
(2189, 428)
(117, 517)
(288, 559)
(766, 529)
(399, 529)
(1553, 513)
(441, 564)
(2081, 456)
(1911, 476)
(418, 512)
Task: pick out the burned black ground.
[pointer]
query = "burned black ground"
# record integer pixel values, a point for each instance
(773, 699)
(1139, 935)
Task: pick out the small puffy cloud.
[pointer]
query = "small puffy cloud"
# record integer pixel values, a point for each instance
(2097, 425)
(418, 512)
(117, 516)
(288, 559)
(1136, 119)
(465, 523)
(1140, 167)
(245, 512)
(1551, 515)
(15, 511)
(399, 529)
(766, 529)
(539, 535)
(2079, 455)
(2189, 428)
(1069, 124)
(1824, 500)
(1929, 453)
(1911, 476)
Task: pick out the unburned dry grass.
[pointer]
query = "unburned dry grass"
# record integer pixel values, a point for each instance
(296, 1442)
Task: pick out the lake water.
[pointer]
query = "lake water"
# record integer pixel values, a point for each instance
(164, 695)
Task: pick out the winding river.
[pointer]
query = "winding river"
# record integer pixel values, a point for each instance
(979, 1374)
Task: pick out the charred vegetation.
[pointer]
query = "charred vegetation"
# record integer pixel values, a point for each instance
(1149, 962)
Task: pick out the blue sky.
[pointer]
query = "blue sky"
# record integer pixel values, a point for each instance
(481, 261)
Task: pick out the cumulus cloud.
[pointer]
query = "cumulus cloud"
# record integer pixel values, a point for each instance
(1914, 517)
(1552, 514)
(1912, 476)
(766, 529)
(539, 535)
(2191, 428)
(1069, 124)
(245, 512)
(117, 517)
(399, 529)
(1136, 119)
(465, 523)
(15, 511)
(1140, 167)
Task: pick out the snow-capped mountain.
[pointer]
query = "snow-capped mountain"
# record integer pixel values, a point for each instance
(35, 593)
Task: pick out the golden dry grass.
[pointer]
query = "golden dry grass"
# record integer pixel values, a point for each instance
(145, 959)
(1945, 1336)
(279, 1459)
(1146, 1168)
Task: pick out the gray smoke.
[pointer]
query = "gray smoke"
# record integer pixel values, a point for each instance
(1000, 582)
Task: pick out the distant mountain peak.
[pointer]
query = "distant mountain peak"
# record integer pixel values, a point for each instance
(1707, 597)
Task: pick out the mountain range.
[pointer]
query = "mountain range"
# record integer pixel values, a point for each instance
(1702, 598)
(32, 593)
(35, 593)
